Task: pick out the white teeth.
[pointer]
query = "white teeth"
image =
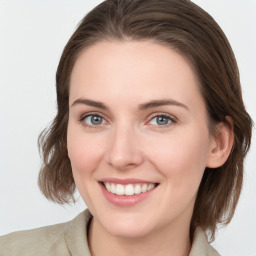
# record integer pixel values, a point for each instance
(108, 187)
(137, 189)
(151, 186)
(144, 188)
(113, 189)
(128, 189)
(119, 189)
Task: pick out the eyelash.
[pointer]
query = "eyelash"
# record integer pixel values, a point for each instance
(170, 118)
(82, 120)
(164, 115)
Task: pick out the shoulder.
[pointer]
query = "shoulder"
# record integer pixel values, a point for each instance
(49, 240)
(37, 241)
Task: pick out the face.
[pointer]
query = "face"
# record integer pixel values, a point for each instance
(138, 139)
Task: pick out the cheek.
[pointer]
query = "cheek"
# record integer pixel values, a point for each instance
(181, 158)
(85, 154)
(85, 151)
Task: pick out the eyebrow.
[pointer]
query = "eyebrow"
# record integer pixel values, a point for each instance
(162, 102)
(92, 103)
(143, 106)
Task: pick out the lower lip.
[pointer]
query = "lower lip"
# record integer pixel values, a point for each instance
(125, 201)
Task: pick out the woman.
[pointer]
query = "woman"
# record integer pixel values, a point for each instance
(151, 129)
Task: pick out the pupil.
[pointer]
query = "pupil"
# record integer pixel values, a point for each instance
(96, 120)
(162, 120)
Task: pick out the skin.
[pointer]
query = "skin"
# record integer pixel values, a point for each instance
(130, 143)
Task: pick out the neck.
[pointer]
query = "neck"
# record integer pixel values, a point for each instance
(165, 241)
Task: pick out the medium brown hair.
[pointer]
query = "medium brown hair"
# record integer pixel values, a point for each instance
(186, 28)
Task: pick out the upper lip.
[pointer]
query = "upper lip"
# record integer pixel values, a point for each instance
(125, 181)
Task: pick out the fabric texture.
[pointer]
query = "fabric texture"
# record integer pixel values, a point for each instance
(70, 239)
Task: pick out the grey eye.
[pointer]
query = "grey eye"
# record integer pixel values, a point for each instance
(94, 120)
(160, 120)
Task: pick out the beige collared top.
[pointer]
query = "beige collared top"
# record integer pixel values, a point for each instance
(70, 238)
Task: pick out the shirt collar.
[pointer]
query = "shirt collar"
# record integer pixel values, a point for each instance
(76, 238)
(200, 245)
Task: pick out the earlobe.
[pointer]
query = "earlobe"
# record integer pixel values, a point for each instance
(222, 144)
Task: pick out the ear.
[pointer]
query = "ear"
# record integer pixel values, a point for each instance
(221, 144)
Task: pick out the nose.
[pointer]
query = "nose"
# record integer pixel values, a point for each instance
(124, 150)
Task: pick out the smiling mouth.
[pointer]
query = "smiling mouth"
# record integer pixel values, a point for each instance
(128, 189)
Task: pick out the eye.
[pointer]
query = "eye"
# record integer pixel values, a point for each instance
(93, 120)
(161, 120)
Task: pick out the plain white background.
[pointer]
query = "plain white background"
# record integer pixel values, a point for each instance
(33, 34)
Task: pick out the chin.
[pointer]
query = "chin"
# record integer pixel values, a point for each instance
(127, 227)
(129, 232)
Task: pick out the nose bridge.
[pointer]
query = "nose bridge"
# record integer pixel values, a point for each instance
(124, 150)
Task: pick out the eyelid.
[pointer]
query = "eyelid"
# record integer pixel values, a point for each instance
(161, 114)
(84, 116)
(151, 116)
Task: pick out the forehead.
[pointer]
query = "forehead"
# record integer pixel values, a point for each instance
(133, 70)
